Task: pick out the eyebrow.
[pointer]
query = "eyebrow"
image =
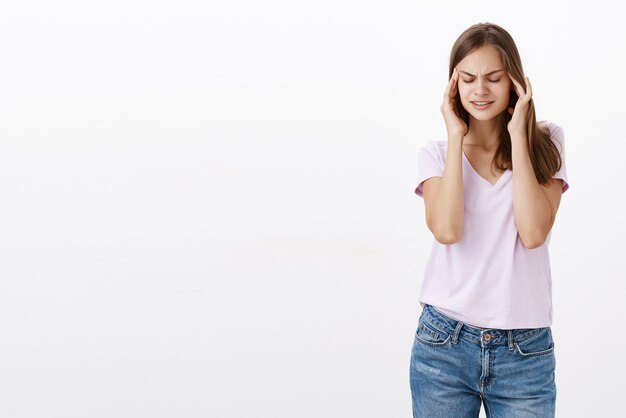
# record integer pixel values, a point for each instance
(473, 75)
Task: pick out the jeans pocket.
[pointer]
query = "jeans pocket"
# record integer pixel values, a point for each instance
(429, 335)
(540, 344)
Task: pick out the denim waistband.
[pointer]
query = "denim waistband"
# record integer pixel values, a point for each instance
(478, 335)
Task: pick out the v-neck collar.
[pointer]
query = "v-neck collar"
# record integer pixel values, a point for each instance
(501, 180)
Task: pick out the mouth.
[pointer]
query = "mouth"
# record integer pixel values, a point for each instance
(482, 104)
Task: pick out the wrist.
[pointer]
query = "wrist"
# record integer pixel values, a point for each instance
(455, 138)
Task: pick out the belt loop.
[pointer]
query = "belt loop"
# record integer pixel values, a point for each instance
(457, 330)
(510, 338)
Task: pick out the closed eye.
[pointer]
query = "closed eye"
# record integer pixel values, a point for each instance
(493, 81)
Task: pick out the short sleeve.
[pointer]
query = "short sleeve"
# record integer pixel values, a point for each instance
(430, 164)
(558, 137)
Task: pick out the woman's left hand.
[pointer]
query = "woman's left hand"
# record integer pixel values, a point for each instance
(517, 125)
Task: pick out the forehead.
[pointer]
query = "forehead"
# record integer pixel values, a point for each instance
(481, 60)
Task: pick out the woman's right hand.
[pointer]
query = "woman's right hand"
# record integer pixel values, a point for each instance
(454, 123)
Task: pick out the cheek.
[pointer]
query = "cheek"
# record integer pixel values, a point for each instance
(463, 91)
(501, 90)
(507, 88)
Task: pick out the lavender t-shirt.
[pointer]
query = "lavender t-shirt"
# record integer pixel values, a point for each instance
(488, 279)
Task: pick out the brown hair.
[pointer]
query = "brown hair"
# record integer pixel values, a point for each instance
(544, 155)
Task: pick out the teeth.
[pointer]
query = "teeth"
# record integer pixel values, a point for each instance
(481, 103)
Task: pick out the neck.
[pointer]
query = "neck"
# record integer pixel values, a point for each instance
(484, 133)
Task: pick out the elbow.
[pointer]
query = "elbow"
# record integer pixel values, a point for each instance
(447, 241)
(533, 245)
(533, 241)
(448, 237)
(446, 233)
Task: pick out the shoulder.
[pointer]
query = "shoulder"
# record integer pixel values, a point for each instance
(435, 147)
(433, 153)
(555, 131)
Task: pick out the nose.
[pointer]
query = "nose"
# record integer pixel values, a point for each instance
(482, 88)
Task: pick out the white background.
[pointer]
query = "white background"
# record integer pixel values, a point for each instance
(207, 209)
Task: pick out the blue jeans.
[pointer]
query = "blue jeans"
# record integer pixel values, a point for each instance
(455, 367)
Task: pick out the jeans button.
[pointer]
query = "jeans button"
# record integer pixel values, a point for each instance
(487, 337)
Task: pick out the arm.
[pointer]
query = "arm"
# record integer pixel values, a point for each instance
(534, 205)
(444, 198)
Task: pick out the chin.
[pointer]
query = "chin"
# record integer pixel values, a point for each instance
(484, 114)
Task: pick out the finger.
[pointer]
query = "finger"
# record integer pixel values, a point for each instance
(446, 94)
(518, 87)
(513, 82)
(451, 89)
(452, 84)
(527, 92)
(529, 89)
(455, 85)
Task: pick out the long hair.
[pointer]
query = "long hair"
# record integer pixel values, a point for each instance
(544, 155)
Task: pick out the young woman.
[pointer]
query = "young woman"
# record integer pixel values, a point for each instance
(491, 194)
